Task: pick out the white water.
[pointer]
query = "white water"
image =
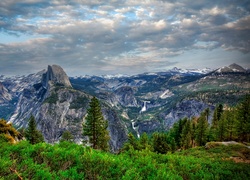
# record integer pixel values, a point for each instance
(136, 129)
(144, 108)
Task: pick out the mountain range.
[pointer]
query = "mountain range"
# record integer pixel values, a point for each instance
(140, 103)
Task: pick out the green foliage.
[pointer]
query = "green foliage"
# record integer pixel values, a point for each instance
(243, 124)
(78, 103)
(201, 130)
(132, 143)
(95, 126)
(71, 161)
(52, 99)
(31, 133)
(160, 143)
(8, 132)
(67, 136)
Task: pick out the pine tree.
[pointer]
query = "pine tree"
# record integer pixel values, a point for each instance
(31, 133)
(95, 126)
(201, 130)
(243, 124)
(160, 144)
(186, 141)
(207, 113)
(230, 124)
(213, 131)
(144, 141)
(132, 143)
(67, 136)
(221, 130)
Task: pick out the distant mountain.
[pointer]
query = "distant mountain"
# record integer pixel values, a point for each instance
(140, 103)
(170, 95)
(56, 106)
(233, 68)
(191, 71)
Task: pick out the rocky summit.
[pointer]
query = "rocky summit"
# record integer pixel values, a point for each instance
(146, 102)
(55, 74)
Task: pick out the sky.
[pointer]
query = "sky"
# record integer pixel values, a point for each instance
(96, 37)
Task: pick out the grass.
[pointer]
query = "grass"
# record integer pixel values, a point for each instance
(71, 161)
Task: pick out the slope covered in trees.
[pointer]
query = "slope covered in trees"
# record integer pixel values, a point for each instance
(149, 157)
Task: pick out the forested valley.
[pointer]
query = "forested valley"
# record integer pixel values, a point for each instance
(191, 149)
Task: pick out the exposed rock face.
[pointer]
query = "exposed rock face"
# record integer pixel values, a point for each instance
(187, 108)
(125, 96)
(57, 107)
(117, 129)
(4, 94)
(148, 126)
(57, 75)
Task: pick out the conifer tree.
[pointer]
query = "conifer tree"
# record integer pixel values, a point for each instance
(67, 136)
(144, 141)
(160, 144)
(213, 131)
(243, 124)
(186, 135)
(31, 133)
(201, 130)
(207, 113)
(221, 129)
(95, 126)
(230, 124)
(132, 143)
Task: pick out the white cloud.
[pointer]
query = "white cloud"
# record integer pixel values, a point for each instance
(105, 34)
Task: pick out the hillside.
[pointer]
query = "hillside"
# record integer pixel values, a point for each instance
(71, 161)
(155, 101)
(141, 103)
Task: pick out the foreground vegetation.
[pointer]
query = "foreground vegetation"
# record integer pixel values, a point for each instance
(67, 160)
(177, 154)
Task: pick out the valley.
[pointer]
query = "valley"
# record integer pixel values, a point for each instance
(149, 102)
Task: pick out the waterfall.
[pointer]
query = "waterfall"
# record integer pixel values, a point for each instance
(144, 108)
(136, 129)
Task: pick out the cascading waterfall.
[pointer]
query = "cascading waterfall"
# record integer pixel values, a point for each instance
(136, 129)
(144, 108)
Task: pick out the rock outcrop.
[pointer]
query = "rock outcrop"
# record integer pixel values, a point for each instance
(5, 96)
(187, 108)
(125, 96)
(55, 74)
(57, 107)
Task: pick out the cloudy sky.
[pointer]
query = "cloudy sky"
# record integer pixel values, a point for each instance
(98, 37)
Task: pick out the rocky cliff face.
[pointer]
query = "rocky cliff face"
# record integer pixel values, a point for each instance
(57, 107)
(5, 96)
(143, 103)
(55, 75)
(125, 96)
(187, 108)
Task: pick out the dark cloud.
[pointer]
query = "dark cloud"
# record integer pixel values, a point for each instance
(97, 37)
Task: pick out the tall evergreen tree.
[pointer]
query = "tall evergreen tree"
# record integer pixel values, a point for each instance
(67, 136)
(243, 124)
(144, 141)
(230, 124)
(160, 143)
(213, 131)
(95, 126)
(201, 130)
(132, 143)
(186, 141)
(31, 133)
(207, 113)
(221, 129)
